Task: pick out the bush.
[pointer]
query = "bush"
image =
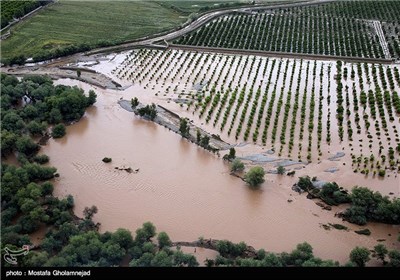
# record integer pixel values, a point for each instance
(339, 226)
(305, 183)
(291, 173)
(360, 256)
(58, 131)
(237, 166)
(107, 159)
(281, 170)
(332, 195)
(363, 231)
(134, 102)
(41, 159)
(382, 173)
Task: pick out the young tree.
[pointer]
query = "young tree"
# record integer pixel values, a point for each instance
(237, 166)
(255, 176)
(380, 252)
(359, 256)
(134, 102)
(150, 111)
(184, 127)
(78, 73)
(198, 136)
(281, 170)
(232, 153)
(205, 141)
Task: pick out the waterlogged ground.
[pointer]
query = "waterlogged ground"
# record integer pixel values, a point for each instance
(279, 118)
(187, 191)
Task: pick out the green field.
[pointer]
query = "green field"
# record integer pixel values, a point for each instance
(195, 6)
(70, 26)
(90, 22)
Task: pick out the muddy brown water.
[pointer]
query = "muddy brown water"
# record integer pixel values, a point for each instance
(184, 190)
(149, 90)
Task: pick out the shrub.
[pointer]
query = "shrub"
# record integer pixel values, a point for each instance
(281, 170)
(363, 231)
(237, 166)
(41, 159)
(107, 159)
(58, 131)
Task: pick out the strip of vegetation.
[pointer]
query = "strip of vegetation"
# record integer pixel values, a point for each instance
(365, 205)
(16, 9)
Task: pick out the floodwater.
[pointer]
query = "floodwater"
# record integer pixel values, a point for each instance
(162, 76)
(184, 190)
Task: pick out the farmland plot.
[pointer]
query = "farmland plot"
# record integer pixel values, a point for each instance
(351, 29)
(303, 110)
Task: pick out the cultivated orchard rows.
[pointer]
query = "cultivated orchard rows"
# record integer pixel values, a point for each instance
(295, 106)
(311, 30)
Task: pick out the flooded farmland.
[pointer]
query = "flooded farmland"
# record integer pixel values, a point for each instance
(185, 190)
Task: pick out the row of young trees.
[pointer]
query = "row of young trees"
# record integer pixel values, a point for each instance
(310, 31)
(249, 98)
(370, 110)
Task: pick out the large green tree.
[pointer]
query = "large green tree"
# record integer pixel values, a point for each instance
(255, 176)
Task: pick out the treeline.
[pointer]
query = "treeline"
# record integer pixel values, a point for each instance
(365, 205)
(16, 9)
(232, 254)
(59, 52)
(30, 106)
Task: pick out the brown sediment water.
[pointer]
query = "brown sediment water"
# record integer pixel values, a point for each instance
(185, 190)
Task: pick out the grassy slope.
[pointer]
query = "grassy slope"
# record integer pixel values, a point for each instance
(73, 22)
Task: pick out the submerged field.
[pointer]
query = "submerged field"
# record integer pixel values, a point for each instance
(185, 190)
(333, 119)
(303, 110)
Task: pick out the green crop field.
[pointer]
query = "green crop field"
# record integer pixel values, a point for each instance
(88, 22)
(194, 6)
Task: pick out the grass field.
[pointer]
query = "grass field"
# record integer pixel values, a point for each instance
(76, 22)
(194, 6)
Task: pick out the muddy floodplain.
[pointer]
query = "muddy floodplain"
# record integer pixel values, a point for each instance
(188, 191)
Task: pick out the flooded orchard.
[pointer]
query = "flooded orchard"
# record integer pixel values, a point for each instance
(185, 190)
(287, 106)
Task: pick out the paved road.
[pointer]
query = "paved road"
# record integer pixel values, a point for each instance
(280, 54)
(382, 39)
